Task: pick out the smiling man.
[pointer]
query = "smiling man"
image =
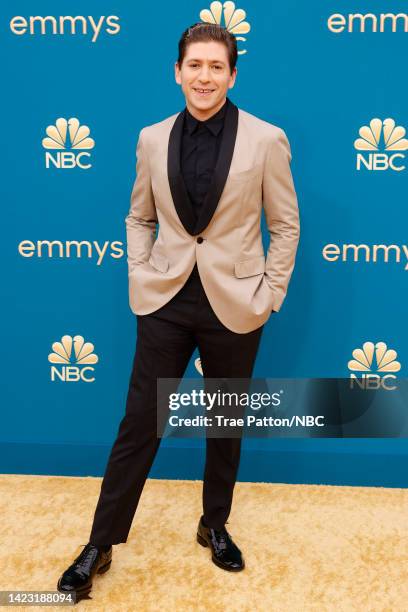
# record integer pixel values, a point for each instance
(205, 76)
(203, 177)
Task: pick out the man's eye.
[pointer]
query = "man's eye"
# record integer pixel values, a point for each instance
(215, 67)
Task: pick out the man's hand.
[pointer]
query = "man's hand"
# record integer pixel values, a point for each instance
(142, 220)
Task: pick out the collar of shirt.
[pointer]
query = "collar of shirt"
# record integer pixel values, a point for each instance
(214, 124)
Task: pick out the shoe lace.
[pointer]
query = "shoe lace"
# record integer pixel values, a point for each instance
(219, 538)
(89, 553)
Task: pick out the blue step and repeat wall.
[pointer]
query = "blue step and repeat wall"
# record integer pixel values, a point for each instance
(79, 81)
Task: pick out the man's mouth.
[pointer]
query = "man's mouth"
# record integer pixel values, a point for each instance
(201, 91)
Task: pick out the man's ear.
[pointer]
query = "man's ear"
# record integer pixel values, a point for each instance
(233, 77)
(177, 73)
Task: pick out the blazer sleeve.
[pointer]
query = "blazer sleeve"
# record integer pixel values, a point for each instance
(282, 217)
(141, 220)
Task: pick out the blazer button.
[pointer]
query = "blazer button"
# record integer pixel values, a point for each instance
(200, 239)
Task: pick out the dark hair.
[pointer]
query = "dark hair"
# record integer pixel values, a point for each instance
(204, 32)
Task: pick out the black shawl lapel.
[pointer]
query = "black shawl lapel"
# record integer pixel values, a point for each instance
(182, 203)
(178, 189)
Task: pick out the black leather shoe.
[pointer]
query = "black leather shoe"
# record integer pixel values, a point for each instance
(78, 577)
(225, 553)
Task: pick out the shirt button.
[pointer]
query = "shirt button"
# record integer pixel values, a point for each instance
(200, 239)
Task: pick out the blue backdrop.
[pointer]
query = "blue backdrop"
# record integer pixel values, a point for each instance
(318, 77)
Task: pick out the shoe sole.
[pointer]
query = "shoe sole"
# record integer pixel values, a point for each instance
(204, 543)
(81, 593)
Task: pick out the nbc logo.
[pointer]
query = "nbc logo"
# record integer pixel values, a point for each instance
(374, 375)
(233, 19)
(73, 358)
(198, 366)
(383, 135)
(57, 139)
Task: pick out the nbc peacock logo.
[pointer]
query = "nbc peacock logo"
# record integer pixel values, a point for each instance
(227, 15)
(375, 364)
(64, 135)
(198, 366)
(72, 360)
(381, 136)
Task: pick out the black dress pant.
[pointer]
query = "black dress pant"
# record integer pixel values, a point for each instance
(166, 340)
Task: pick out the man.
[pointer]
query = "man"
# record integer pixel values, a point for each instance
(202, 176)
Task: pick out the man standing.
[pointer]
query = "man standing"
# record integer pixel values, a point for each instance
(203, 176)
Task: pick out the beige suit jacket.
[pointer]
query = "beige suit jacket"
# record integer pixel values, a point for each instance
(252, 172)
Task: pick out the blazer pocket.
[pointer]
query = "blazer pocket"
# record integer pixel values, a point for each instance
(246, 175)
(250, 267)
(159, 262)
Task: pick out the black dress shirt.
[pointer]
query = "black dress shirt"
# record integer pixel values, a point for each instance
(200, 146)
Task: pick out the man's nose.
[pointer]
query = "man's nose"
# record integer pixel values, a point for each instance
(204, 75)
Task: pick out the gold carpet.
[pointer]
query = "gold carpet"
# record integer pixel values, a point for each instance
(306, 547)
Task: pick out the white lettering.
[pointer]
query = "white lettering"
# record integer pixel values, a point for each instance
(357, 22)
(18, 25)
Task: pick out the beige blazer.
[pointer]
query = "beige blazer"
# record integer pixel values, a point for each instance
(252, 172)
